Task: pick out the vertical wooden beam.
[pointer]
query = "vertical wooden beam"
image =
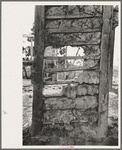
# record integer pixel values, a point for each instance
(37, 110)
(111, 57)
(65, 62)
(104, 81)
(31, 49)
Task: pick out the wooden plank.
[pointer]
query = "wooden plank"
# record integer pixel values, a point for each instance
(73, 17)
(63, 96)
(104, 84)
(74, 43)
(71, 57)
(60, 82)
(52, 70)
(64, 82)
(73, 30)
(37, 110)
(73, 121)
(31, 49)
(111, 55)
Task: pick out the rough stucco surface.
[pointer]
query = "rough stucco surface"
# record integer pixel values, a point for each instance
(79, 10)
(58, 116)
(91, 50)
(69, 134)
(71, 110)
(82, 103)
(70, 91)
(88, 23)
(62, 131)
(89, 77)
(66, 116)
(64, 39)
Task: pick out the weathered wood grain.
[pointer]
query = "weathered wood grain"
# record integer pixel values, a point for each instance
(72, 17)
(37, 110)
(73, 44)
(111, 57)
(104, 84)
(73, 30)
(52, 70)
(64, 82)
(72, 57)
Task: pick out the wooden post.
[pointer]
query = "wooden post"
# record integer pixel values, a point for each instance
(31, 49)
(104, 81)
(37, 110)
(111, 55)
(65, 62)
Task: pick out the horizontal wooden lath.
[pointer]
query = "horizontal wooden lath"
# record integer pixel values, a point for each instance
(65, 82)
(50, 70)
(67, 57)
(72, 17)
(59, 82)
(70, 44)
(73, 121)
(70, 57)
(63, 96)
(73, 30)
(62, 109)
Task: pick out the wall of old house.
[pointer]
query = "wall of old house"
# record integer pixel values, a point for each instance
(71, 110)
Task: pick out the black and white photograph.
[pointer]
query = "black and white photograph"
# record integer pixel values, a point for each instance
(70, 74)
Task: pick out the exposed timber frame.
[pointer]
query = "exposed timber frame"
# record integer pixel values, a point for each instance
(104, 80)
(72, 17)
(40, 44)
(38, 70)
(73, 30)
(111, 57)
